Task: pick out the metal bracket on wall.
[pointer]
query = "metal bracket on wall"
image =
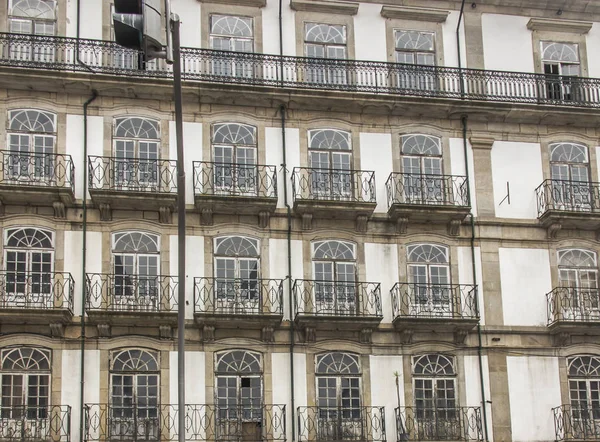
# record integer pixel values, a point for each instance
(507, 197)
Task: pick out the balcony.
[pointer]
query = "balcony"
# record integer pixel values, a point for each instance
(569, 205)
(43, 179)
(328, 305)
(41, 423)
(364, 424)
(451, 308)
(36, 298)
(440, 199)
(235, 189)
(131, 299)
(439, 424)
(302, 73)
(576, 424)
(334, 193)
(133, 184)
(207, 423)
(574, 310)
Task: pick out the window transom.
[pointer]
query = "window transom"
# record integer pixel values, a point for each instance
(421, 145)
(334, 250)
(135, 360)
(337, 363)
(136, 127)
(30, 120)
(428, 253)
(328, 139)
(135, 242)
(584, 366)
(29, 237)
(433, 365)
(236, 246)
(25, 359)
(238, 361)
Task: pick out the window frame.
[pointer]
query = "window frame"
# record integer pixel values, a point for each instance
(327, 412)
(432, 52)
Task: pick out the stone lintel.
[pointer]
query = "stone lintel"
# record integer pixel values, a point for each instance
(558, 25)
(414, 13)
(253, 3)
(325, 6)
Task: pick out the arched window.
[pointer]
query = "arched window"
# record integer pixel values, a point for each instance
(237, 263)
(560, 59)
(234, 152)
(584, 386)
(434, 391)
(231, 33)
(29, 260)
(334, 269)
(569, 162)
(330, 157)
(414, 47)
(31, 140)
(25, 382)
(32, 17)
(429, 276)
(325, 41)
(239, 385)
(134, 393)
(578, 268)
(422, 169)
(136, 268)
(137, 147)
(338, 385)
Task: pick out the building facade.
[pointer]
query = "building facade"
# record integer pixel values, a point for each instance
(392, 212)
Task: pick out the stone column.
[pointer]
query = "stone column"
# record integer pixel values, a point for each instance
(501, 425)
(484, 188)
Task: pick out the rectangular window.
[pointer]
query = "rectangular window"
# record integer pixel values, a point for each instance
(560, 61)
(232, 34)
(328, 42)
(416, 48)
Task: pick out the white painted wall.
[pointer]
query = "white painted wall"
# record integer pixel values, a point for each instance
(449, 36)
(597, 148)
(278, 266)
(507, 44)
(274, 157)
(191, 24)
(457, 166)
(91, 19)
(473, 387)
(74, 145)
(465, 274)
(281, 384)
(533, 389)
(519, 165)
(593, 43)
(194, 266)
(384, 392)
(381, 261)
(376, 155)
(369, 33)
(73, 262)
(195, 376)
(525, 280)
(270, 19)
(192, 144)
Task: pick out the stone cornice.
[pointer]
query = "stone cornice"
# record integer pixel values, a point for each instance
(485, 143)
(413, 13)
(253, 3)
(554, 25)
(326, 6)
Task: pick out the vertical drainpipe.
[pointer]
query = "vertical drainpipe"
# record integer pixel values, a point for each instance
(282, 110)
(83, 260)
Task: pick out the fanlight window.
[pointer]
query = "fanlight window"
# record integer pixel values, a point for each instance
(338, 363)
(322, 33)
(25, 383)
(433, 365)
(236, 246)
(34, 9)
(328, 139)
(234, 133)
(136, 127)
(568, 153)
(135, 242)
(428, 253)
(414, 47)
(566, 52)
(577, 258)
(135, 360)
(32, 17)
(30, 120)
(584, 389)
(29, 237)
(238, 361)
(421, 145)
(334, 250)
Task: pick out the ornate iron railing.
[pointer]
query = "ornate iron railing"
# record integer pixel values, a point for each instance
(438, 301)
(60, 53)
(132, 174)
(436, 424)
(365, 424)
(248, 297)
(576, 423)
(568, 196)
(131, 293)
(37, 169)
(252, 423)
(341, 299)
(333, 185)
(34, 424)
(36, 290)
(427, 190)
(573, 304)
(229, 179)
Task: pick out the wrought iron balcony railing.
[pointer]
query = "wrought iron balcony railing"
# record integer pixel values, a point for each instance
(132, 174)
(252, 423)
(573, 304)
(36, 291)
(333, 185)
(33, 424)
(247, 297)
(576, 423)
(131, 293)
(436, 424)
(568, 196)
(364, 424)
(427, 190)
(24, 169)
(229, 179)
(59, 54)
(436, 301)
(337, 299)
